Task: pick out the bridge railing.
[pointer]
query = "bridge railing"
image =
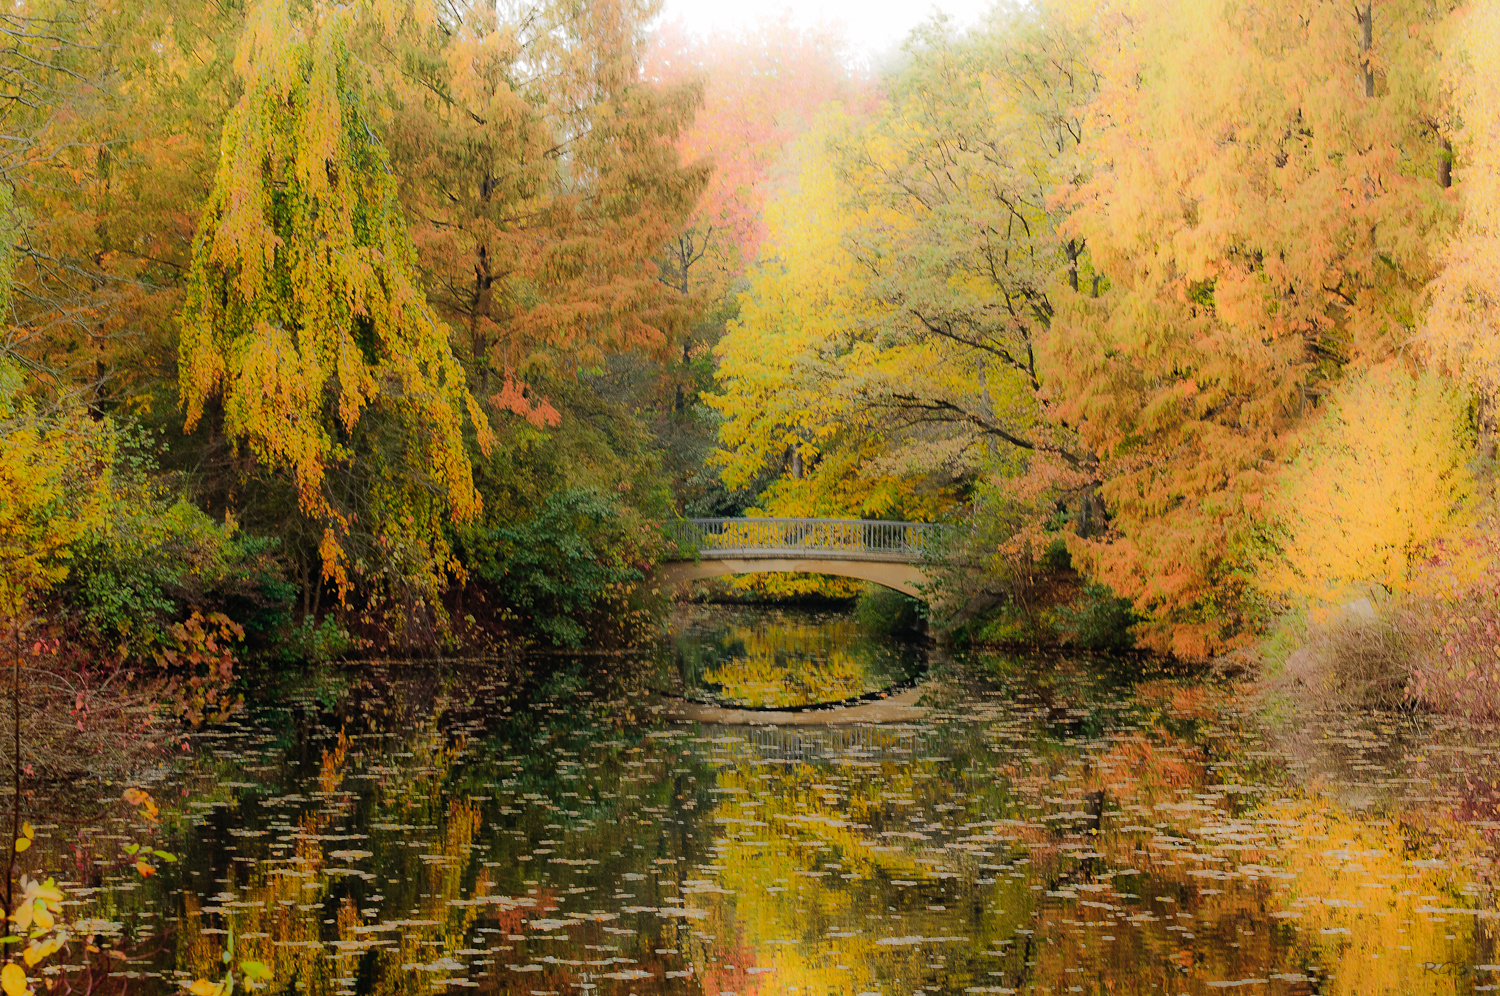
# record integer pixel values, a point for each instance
(907, 541)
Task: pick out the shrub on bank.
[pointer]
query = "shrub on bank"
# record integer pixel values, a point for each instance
(1457, 664)
(1438, 649)
(1058, 609)
(1097, 619)
(1357, 660)
(581, 555)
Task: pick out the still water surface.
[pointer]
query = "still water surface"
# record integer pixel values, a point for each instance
(779, 658)
(1055, 824)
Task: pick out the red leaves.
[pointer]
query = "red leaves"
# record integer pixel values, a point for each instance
(201, 666)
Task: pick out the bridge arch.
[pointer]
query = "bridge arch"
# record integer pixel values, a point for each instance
(892, 554)
(904, 578)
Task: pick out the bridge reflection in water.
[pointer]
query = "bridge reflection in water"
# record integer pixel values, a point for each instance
(897, 555)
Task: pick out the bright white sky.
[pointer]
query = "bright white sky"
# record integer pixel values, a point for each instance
(871, 26)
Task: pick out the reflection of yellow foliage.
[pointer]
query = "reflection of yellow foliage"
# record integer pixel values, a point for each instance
(800, 861)
(791, 665)
(278, 915)
(1381, 918)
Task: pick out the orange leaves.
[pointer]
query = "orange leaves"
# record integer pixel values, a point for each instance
(200, 668)
(1461, 325)
(1263, 225)
(513, 397)
(545, 260)
(148, 808)
(142, 853)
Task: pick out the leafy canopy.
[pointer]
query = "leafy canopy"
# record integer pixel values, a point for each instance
(304, 308)
(1381, 476)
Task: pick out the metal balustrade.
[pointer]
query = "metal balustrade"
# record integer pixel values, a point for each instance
(859, 539)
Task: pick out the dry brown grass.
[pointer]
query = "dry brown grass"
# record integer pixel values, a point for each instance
(1352, 661)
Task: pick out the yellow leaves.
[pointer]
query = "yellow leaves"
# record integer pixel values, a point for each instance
(34, 918)
(13, 980)
(203, 987)
(26, 836)
(304, 311)
(37, 950)
(1383, 475)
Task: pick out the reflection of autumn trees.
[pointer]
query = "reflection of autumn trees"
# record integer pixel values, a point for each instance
(1228, 883)
(1047, 831)
(430, 853)
(790, 665)
(1060, 842)
(807, 851)
(796, 661)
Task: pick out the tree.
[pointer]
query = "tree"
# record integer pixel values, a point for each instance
(127, 103)
(304, 309)
(1464, 316)
(542, 172)
(908, 278)
(1362, 506)
(1265, 188)
(762, 89)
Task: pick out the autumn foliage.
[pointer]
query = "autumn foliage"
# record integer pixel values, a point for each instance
(1199, 293)
(1202, 286)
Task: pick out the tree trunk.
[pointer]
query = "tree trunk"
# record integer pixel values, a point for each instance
(15, 718)
(1366, 42)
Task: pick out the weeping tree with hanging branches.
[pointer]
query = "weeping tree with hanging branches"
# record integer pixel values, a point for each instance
(305, 321)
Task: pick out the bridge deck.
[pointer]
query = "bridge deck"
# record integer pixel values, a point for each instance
(828, 539)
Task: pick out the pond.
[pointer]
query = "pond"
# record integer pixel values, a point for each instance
(1052, 823)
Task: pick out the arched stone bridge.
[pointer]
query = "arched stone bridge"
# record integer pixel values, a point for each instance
(894, 554)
